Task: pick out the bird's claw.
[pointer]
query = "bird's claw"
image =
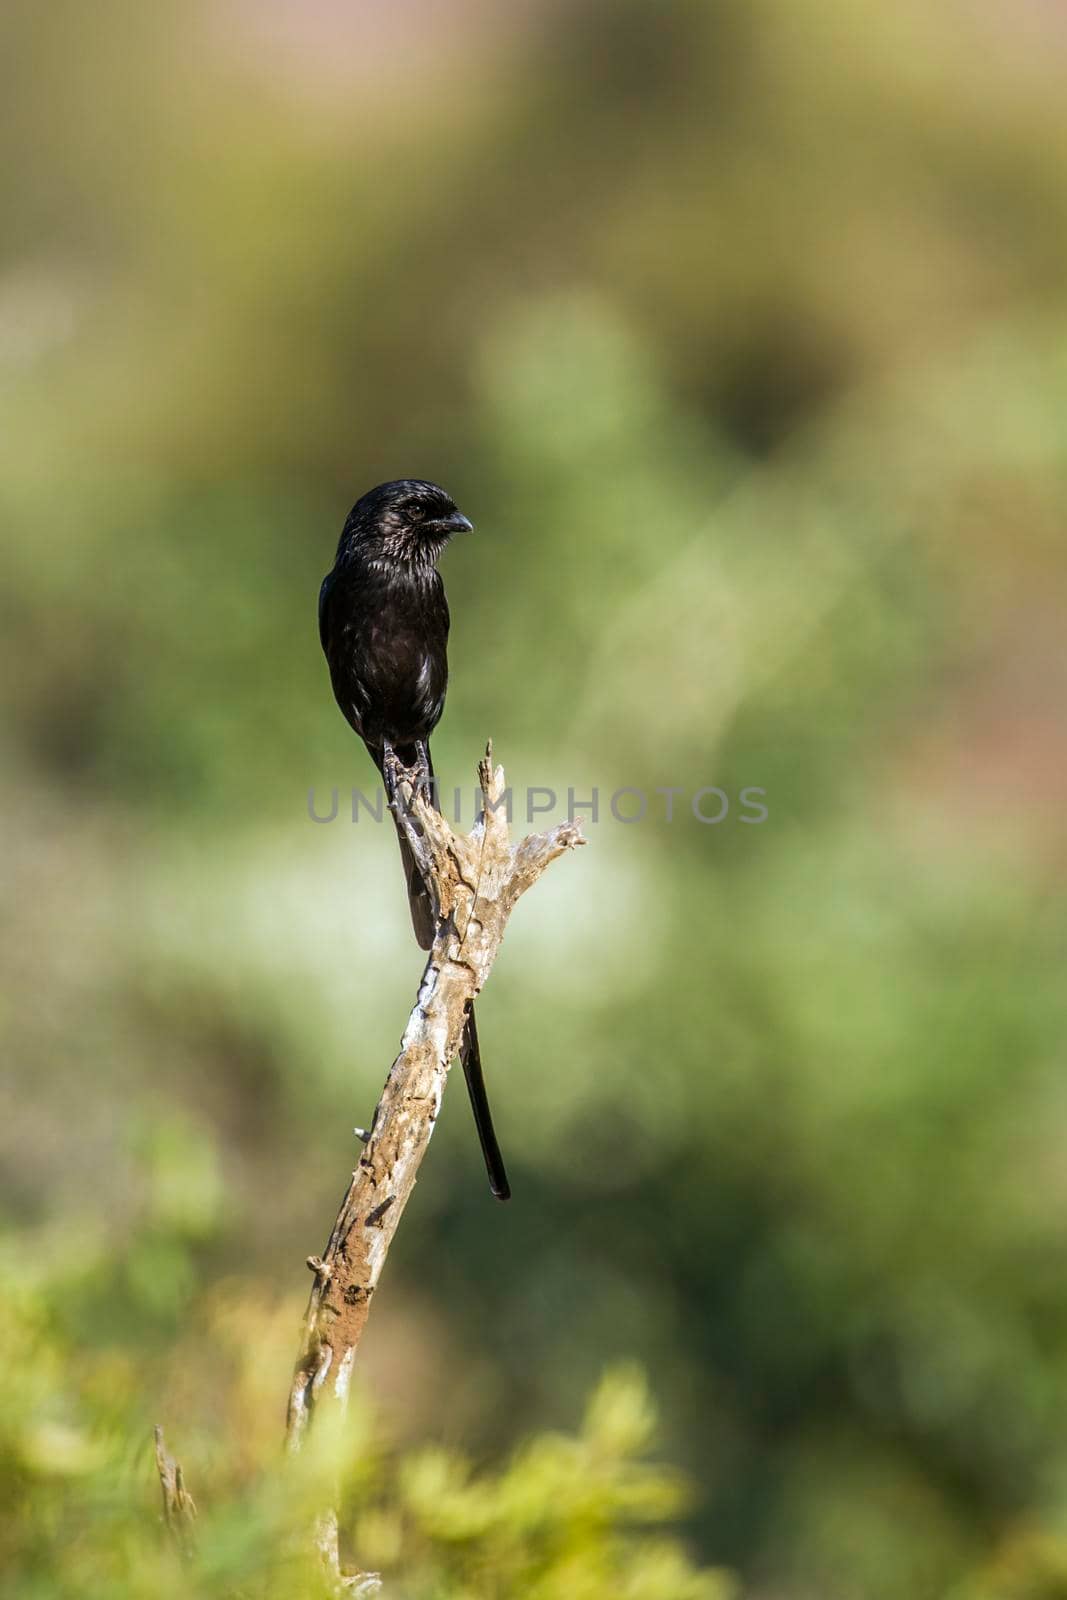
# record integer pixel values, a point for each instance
(419, 777)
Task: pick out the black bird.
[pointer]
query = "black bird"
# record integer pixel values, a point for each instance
(383, 622)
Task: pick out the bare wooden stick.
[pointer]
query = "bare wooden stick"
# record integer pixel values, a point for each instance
(474, 880)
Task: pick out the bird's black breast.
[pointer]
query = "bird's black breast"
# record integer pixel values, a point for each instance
(385, 635)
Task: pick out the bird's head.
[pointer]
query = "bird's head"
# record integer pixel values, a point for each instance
(409, 520)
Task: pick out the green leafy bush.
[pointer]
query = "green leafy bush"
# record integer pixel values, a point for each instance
(569, 1517)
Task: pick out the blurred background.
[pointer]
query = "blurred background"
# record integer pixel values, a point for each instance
(739, 328)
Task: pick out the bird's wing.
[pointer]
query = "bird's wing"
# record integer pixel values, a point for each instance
(442, 620)
(433, 679)
(324, 620)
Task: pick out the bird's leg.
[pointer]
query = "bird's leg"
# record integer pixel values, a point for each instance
(393, 770)
(425, 778)
(390, 773)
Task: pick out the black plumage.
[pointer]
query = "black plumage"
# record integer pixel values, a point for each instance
(383, 623)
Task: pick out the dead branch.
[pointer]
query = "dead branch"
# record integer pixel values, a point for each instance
(475, 880)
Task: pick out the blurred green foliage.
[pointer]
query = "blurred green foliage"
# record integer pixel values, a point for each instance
(568, 1518)
(740, 330)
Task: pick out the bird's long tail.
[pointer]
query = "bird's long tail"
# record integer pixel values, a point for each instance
(470, 1055)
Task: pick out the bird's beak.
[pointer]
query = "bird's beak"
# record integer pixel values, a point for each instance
(457, 523)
